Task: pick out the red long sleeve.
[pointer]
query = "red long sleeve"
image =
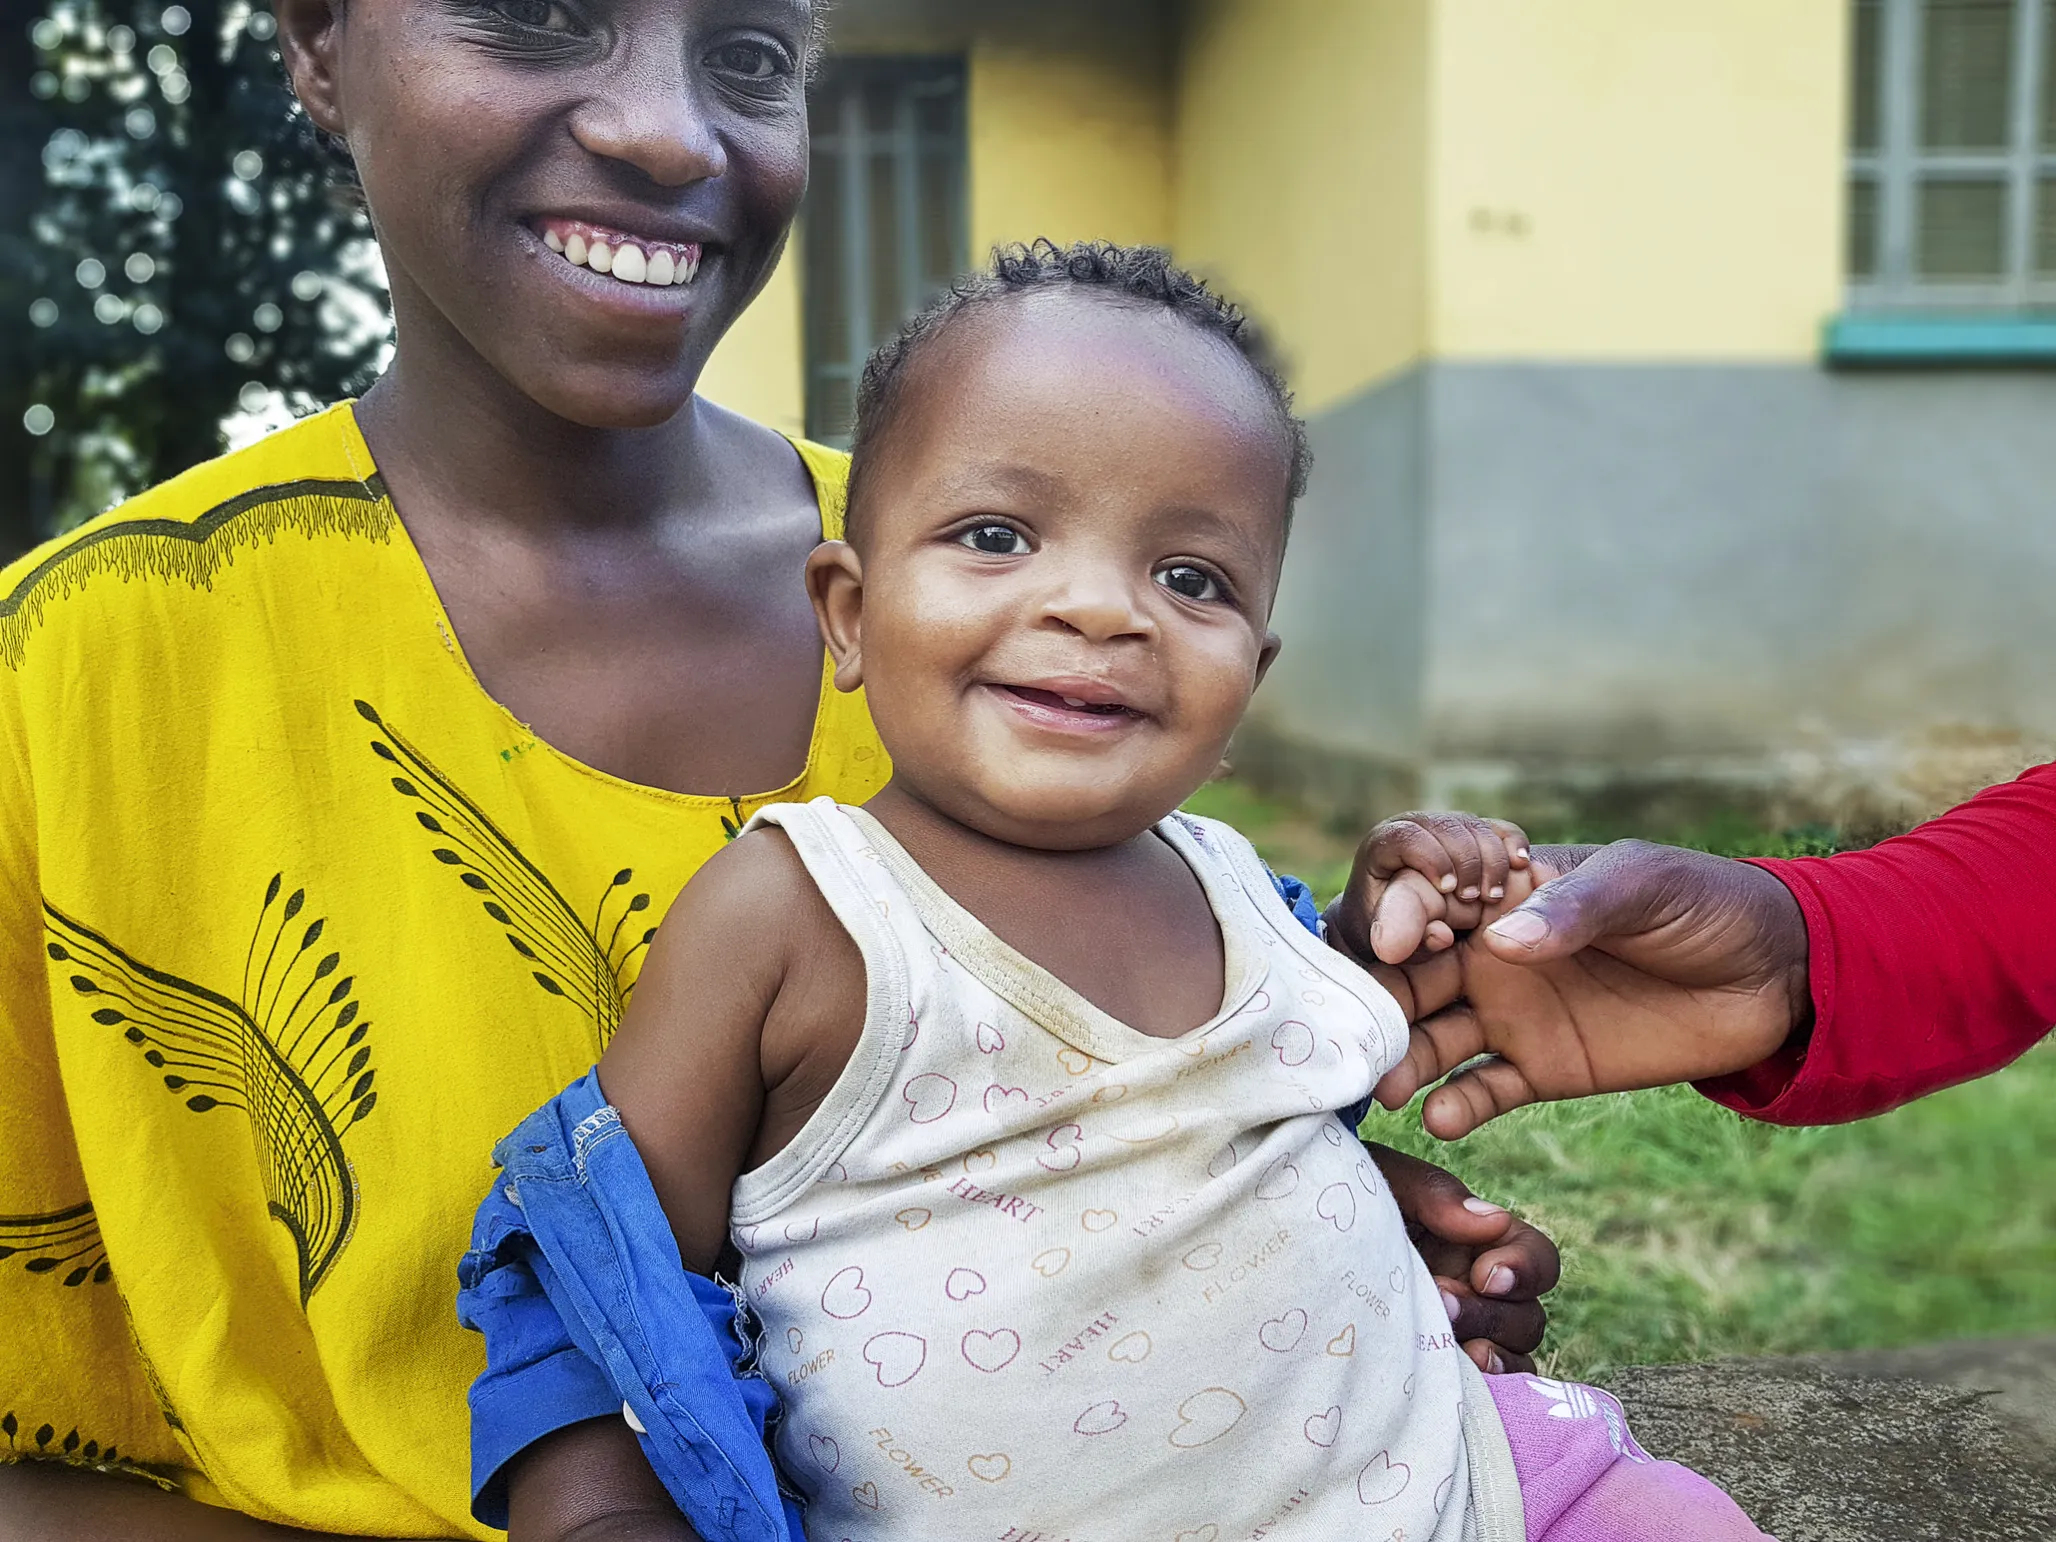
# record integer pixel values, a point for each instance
(1933, 960)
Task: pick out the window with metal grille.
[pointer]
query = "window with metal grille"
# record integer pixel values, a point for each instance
(1952, 192)
(884, 221)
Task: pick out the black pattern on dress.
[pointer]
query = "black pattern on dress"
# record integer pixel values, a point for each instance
(66, 1240)
(290, 1053)
(42, 1443)
(192, 549)
(584, 962)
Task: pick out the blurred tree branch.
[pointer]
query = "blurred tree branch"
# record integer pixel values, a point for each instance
(179, 247)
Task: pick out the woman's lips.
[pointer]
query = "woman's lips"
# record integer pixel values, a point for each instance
(622, 255)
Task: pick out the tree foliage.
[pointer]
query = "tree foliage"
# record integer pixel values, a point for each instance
(175, 247)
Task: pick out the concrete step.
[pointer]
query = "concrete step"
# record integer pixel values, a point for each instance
(1944, 1443)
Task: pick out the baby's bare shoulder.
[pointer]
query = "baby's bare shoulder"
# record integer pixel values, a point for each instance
(756, 884)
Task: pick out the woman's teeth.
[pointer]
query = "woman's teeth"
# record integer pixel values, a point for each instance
(631, 262)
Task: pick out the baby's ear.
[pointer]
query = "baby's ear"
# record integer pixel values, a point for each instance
(1266, 656)
(835, 583)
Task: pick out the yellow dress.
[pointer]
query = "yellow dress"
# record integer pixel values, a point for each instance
(297, 922)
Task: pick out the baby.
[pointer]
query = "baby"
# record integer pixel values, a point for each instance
(1015, 1092)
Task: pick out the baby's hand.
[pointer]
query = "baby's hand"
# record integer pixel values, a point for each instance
(1419, 879)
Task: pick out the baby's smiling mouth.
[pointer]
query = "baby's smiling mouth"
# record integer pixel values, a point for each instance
(1057, 701)
(627, 258)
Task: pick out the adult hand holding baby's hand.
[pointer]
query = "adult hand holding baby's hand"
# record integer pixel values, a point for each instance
(1418, 880)
(1602, 970)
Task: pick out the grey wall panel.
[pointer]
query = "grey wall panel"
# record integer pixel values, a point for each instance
(1350, 609)
(1630, 562)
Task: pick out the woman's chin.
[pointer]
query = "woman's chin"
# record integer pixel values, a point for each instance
(612, 399)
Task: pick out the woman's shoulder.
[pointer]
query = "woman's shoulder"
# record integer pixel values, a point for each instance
(323, 451)
(775, 463)
(315, 476)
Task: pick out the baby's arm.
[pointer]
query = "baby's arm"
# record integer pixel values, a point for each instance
(688, 1071)
(686, 1068)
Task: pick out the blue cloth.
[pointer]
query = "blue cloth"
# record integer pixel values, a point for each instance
(586, 1308)
(1300, 900)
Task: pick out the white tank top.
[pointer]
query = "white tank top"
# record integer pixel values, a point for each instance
(1028, 1273)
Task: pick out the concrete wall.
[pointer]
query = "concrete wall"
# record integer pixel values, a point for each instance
(1070, 143)
(1550, 279)
(759, 369)
(1069, 122)
(1303, 172)
(1739, 560)
(1810, 586)
(1339, 718)
(1636, 179)
(1069, 137)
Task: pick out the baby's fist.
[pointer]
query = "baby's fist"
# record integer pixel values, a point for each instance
(1421, 878)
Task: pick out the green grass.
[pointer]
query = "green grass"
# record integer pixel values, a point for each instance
(1690, 1233)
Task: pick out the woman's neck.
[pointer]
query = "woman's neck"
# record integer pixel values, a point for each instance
(462, 439)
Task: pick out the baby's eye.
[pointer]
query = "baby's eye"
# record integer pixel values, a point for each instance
(995, 540)
(1193, 583)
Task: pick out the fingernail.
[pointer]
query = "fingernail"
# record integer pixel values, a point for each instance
(1448, 882)
(1470, 893)
(1451, 1305)
(1478, 1206)
(1522, 853)
(1523, 928)
(1499, 894)
(1498, 1365)
(1499, 1281)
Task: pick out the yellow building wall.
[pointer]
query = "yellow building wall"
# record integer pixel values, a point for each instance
(1069, 142)
(759, 368)
(1637, 179)
(1302, 161)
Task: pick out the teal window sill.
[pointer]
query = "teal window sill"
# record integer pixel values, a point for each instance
(1941, 339)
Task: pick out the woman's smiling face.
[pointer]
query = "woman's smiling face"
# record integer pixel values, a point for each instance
(583, 194)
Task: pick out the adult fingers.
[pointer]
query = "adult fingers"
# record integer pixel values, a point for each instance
(1624, 890)
(1474, 1096)
(1515, 1327)
(1440, 1207)
(1524, 1265)
(1497, 1360)
(1424, 985)
(1438, 1043)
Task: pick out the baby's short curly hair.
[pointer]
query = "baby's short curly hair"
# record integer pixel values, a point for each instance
(1143, 276)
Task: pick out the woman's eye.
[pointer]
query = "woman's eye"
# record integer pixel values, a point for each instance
(995, 540)
(537, 15)
(751, 61)
(1191, 582)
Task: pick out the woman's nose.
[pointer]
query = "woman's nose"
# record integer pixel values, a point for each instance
(651, 115)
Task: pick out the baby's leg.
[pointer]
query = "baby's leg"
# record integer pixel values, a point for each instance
(1584, 1479)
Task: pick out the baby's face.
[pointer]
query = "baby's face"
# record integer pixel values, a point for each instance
(1069, 544)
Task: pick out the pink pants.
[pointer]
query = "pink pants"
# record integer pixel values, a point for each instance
(1583, 1478)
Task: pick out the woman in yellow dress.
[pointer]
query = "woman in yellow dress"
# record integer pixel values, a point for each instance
(345, 778)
